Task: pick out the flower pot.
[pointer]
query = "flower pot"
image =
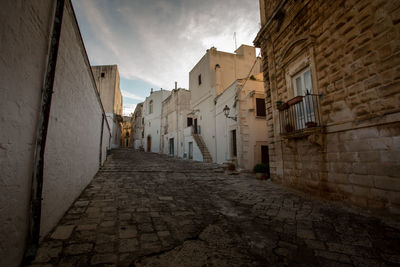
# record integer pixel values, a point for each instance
(295, 100)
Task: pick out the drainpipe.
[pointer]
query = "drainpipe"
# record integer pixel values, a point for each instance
(101, 139)
(41, 134)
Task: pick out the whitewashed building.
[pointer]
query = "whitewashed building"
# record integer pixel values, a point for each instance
(152, 120)
(107, 83)
(241, 128)
(175, 109)
(137, 132)
(215, 72)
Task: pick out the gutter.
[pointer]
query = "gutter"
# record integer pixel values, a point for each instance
(33, 235)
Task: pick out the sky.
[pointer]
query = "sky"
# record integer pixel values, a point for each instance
(157, 42)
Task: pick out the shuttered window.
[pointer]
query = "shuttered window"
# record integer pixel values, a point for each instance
(260, 106)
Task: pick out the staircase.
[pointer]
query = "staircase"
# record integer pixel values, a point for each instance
(203, 148)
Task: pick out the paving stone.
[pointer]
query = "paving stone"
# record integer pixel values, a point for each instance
(63, 232)
(128, 245)
(103, 258)
(76, 249)
(148, 237)
(127, 231)
(144, 204)
(86, 227)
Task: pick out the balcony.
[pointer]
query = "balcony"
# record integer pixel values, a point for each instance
(299, 114)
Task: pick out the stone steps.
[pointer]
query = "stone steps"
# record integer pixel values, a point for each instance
(203, 148)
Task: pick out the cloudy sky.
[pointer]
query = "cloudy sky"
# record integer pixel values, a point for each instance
(157, 42)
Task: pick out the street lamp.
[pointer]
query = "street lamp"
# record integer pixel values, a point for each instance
(226, 112)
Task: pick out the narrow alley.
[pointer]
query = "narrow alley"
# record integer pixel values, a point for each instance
(147, 209)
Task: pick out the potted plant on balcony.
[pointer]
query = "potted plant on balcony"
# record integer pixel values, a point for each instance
(261, 171)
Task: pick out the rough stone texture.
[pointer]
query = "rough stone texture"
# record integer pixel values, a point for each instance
(352, 50)
(73, 137)
(214, 219)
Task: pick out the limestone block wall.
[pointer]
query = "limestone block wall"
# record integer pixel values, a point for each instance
(73, 140)
(352, 51)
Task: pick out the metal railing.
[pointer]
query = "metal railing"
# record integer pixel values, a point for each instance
(299, 113)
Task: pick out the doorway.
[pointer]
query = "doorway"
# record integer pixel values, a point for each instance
(195, 126)
(190, 150)
(148, 143)
(171, 146)
(234, 144)
(265, 157)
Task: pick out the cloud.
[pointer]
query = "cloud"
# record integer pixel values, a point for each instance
(131, 96)
(161, 41)
(128, 109)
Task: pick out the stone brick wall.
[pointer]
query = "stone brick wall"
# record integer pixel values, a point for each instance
(352, 49)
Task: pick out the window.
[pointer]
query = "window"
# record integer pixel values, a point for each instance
(151, 106)
(199, 79)
(102, 75)
(189, 122)
(302, 87)
(260, 107)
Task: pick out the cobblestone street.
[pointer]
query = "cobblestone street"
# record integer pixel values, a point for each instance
(146, 209)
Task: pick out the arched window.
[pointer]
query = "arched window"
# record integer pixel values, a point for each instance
(151, 106)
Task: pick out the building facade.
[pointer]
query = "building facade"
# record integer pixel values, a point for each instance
(77, 132)
(152, 120)
(209, 78)
(126, 132)
(241, 133)
(173, 122)
(107, 82)
(137, 131)
(332, 85)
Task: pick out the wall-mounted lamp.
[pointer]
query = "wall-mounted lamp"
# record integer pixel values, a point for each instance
(226, 112)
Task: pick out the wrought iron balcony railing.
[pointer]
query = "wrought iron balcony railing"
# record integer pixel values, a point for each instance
(299, 114)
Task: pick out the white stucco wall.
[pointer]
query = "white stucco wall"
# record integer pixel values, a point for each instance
(24, 34)
(251, 131)
(187, 133)
(152, 121)
(218, 70)
(226, 125)
(73, 140)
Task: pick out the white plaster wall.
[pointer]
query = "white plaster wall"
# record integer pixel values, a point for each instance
(73, 142)
(24, 34)
(152, 122)
(231, 67)
(187, 133)
(72, 149)
(225, 125)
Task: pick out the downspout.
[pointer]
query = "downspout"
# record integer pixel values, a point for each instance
(41, 135)
(101, 139)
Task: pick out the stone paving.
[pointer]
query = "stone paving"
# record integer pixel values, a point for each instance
(146, 209)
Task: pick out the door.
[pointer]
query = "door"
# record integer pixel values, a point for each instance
(190, 150)
(171, 146)
(305, 109)
(265, 157)
(195, 126)
(234, 145)
(149, 143)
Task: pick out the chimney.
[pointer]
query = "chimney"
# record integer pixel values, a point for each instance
(176, 85)
(151, 91)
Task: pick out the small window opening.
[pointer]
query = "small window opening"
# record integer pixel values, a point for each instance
(102, 75)
(199, 79)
